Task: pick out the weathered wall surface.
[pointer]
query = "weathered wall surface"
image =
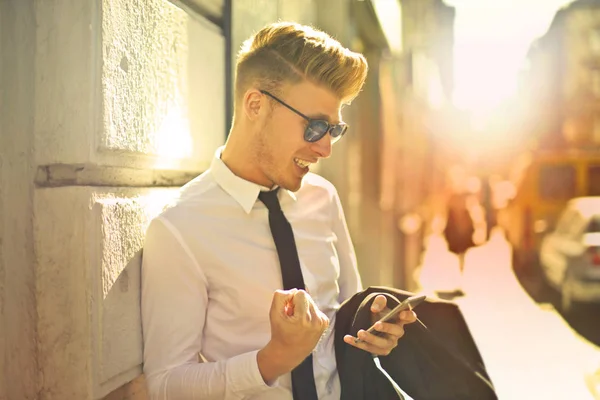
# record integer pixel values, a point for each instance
(124, 100)
(104, 113)
(18, 370)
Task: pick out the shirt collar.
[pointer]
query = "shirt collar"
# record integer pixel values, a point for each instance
(243, 191)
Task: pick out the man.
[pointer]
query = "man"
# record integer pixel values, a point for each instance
(216, 323)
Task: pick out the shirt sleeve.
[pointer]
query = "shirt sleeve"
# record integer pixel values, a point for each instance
(174, 300)
(349, 280)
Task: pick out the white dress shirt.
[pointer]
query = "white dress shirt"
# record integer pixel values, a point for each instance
(209, 271)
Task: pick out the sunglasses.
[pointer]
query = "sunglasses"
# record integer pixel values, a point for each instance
(316, 128)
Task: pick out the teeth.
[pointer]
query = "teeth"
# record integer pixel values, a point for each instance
(302, 163)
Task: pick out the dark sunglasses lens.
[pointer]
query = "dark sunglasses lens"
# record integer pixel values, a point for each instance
(338, 131)
(315, 130)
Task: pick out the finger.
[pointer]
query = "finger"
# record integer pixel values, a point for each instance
(371, 348)
(282, 302)
(375, 340)
(407, 317)
(301, 304)
(281, 297)
(318, 319)
(396, 330)
(378, 304)
(312, 316)
(289, 308)
(324, 320)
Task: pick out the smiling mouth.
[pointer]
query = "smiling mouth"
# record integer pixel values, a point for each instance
(302, 163)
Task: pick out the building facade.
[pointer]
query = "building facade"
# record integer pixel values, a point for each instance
(562, 83)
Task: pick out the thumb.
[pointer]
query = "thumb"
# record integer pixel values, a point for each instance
(379, 303)
(281, 300)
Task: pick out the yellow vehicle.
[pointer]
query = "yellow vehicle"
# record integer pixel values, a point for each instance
(547, 181)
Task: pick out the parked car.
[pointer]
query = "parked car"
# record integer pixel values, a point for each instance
(544, 184)
(570, 254)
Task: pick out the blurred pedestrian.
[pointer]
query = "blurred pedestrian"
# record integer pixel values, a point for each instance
(488, 206)
(459, 227)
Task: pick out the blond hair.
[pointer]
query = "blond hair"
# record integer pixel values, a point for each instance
(287, 53)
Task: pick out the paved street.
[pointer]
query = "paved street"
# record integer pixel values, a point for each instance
(531, 352)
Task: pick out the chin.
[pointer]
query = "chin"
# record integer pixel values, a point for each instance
(293, 185)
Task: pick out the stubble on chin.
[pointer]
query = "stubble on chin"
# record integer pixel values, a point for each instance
(265, 156)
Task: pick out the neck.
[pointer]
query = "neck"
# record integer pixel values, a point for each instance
(239, 155)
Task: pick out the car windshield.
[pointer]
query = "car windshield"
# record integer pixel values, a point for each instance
(594, 225)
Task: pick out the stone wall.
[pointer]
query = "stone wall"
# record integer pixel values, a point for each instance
(18, 363)
(107, 107)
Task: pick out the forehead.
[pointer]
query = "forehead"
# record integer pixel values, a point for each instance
(314, 101)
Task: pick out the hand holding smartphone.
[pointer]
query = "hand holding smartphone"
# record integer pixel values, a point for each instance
(408, 304)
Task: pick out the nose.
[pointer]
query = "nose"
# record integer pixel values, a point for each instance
(322, 146)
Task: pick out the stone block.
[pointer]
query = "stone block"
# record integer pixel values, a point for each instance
(88, 247)
(133, 83)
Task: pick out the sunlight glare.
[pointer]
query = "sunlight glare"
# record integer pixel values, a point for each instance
(492, 38)
(174, 139)
(389, 12)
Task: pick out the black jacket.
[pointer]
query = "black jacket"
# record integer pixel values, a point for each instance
(422, 366)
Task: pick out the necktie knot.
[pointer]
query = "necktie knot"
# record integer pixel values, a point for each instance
(270, 199)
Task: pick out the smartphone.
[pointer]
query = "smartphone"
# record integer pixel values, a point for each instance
(408, 304)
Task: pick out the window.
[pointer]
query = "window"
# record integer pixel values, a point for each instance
(593, 188)
(557, 182)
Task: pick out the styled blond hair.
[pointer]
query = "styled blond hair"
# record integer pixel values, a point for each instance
(287, 53)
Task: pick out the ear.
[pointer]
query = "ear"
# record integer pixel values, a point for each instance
(253, 103)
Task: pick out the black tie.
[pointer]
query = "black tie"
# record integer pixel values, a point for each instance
(303, 380)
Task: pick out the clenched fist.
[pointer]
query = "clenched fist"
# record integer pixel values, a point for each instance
(297, 324)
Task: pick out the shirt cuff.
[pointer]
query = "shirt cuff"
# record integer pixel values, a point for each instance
(243, 375)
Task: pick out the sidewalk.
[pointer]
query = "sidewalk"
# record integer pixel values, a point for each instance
(530, 352)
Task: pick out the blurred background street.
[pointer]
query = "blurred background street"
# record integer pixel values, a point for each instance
(531, 350)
